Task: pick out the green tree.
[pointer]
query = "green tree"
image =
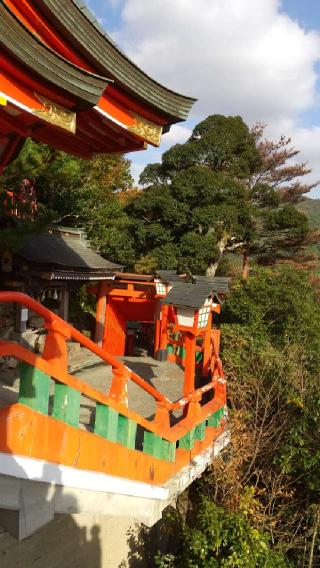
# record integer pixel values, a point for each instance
(216, 538)
(195, 201)
(79, 193)
(225, 189)
(271, 341)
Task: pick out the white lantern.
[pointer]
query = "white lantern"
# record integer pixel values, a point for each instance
(204, 313)
(186, 316)
(161, 287)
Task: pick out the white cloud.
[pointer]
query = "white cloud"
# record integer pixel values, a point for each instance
(236, 56)
(136, 170)
(178, 134)
(307, 140)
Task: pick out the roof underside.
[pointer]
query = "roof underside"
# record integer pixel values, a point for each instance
(82, 28)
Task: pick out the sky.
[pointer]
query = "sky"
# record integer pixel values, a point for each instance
(259, 59)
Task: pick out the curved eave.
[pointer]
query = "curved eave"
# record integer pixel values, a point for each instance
(75, 20)
(86, 87)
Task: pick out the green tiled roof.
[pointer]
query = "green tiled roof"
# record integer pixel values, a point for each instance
(82, 29)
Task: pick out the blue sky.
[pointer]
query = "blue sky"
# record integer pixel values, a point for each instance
(306, 12)
(256, 58)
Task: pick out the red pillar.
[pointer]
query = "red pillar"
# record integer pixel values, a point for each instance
(162, 351)
(157, 328)
(101, 313)
(190, 363)
(207, 348)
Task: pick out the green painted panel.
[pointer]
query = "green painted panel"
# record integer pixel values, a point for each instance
(170, 349)
(182, 353)
(127, 430)
(152, 444)
(200, 432)
(168, 451)
(188, 440)
(199, 357)
(34, 388)
(215, 418)
(106, 422)
(66, 404)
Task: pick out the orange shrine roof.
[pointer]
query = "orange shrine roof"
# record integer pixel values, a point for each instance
(64, 82)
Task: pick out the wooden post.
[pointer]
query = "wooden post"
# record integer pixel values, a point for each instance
(157, 335)
(190, 363)
(101, 313)
(119, 386)
(162, 351)
(207, 348)
(55, 348)
(64, 304)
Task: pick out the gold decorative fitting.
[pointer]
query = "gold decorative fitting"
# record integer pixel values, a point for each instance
(3, 101)
(146, 129)
(56, 114)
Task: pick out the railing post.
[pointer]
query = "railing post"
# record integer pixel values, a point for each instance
(162, 418)
(119, 386)
(194, 408)
(55, 348)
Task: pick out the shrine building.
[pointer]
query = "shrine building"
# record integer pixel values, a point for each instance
(125, 437)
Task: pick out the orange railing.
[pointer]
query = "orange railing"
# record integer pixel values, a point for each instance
(53, 362)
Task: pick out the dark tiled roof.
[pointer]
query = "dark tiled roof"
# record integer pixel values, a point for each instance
(189, 295)
(64, 251)
(219, 284)
(169, 276)
(28, 50)
(84, 30)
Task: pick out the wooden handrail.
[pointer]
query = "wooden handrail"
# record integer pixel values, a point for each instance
(70, 332)
(56, 324)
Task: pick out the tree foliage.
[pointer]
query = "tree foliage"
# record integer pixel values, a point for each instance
(225, 189)
(79, 193)
(271, 341)
(195, 201)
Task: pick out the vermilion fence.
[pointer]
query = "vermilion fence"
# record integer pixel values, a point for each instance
(114, 420)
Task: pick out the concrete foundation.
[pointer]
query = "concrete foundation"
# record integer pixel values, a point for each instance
(72, 541)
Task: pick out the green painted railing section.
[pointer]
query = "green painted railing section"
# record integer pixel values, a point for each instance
(109, 424)
(181, 352)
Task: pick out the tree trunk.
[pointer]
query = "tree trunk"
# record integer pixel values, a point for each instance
(245, 264)
(212, 268)
(221, 246)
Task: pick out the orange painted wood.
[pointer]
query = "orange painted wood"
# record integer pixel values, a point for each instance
(24, 432)
(115, 103)
(101, 313)
(114, 339)
(207, 348)
(54, 323)
(190, 364)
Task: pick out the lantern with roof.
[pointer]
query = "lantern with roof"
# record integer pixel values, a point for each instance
(192, 304)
